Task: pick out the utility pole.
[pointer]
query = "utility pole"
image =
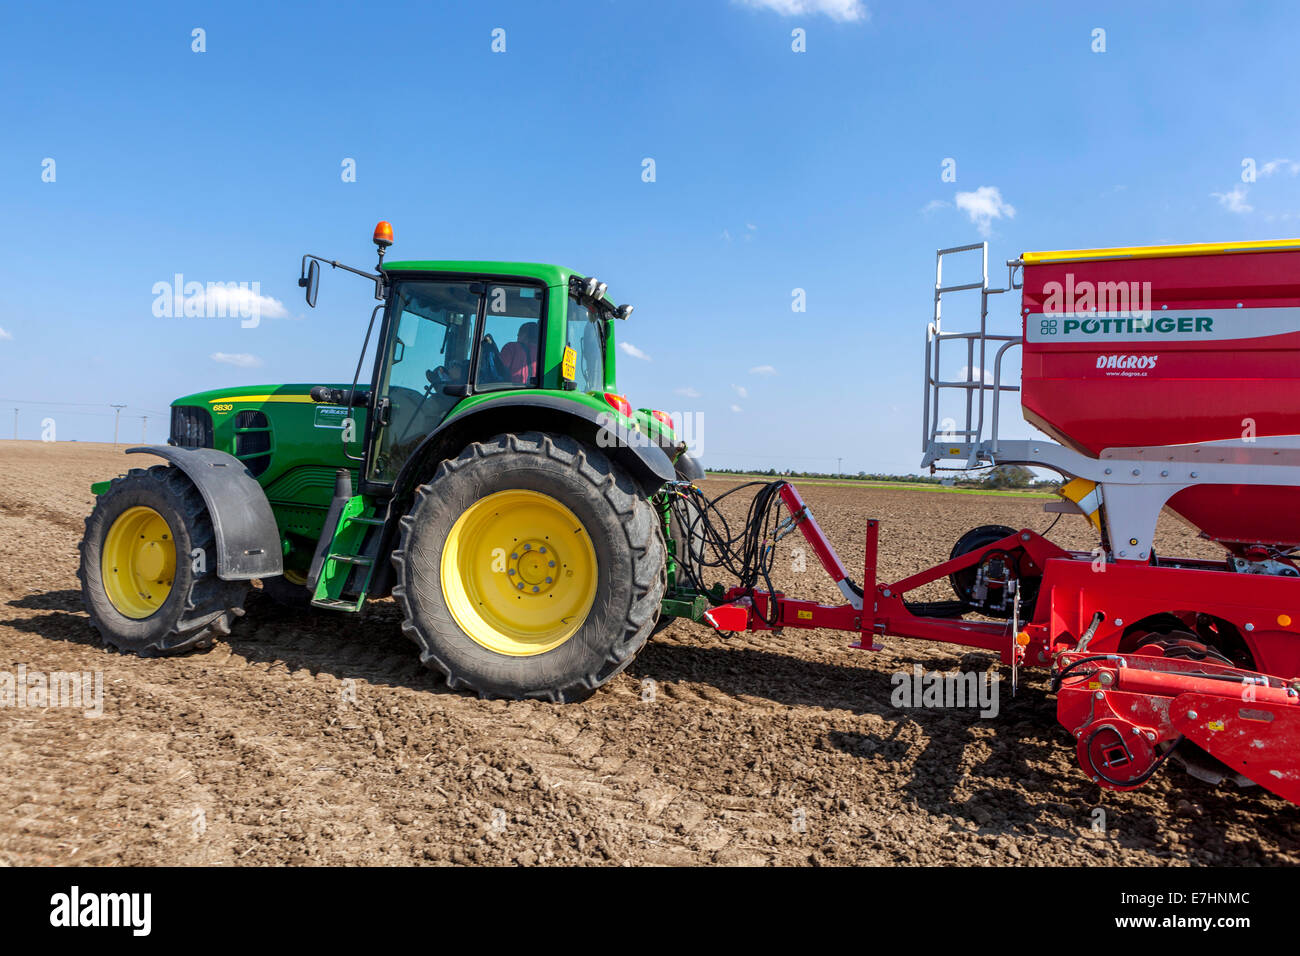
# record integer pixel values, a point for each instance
(839, 466)
(116, 418)
(144, 429)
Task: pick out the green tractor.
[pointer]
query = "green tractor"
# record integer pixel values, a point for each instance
(488, 476)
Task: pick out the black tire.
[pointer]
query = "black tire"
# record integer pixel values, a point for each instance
(630, 567)
(199, 607)
(963, 581)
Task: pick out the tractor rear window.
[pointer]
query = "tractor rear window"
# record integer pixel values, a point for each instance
(586, 336)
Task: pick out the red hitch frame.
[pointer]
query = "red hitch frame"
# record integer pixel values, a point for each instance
(1126, 711)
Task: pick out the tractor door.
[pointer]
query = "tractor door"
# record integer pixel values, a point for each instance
(439, 332)
(425, 366)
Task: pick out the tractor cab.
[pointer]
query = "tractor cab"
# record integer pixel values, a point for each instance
(455, 333)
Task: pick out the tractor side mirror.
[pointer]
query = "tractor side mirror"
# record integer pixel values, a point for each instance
(311, 281)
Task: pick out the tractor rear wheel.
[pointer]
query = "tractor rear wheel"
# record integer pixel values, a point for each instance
(530, 566)
(148, 566)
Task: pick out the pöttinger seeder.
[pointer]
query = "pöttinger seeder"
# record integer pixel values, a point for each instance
(1169, 376)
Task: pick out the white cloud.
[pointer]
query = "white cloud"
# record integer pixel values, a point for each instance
(237, 359)
(737, 409)
(627, 348)
(240, 300)
(934, 205)
(1234, 201)
(965, 375)
(741, 391)
(5, 336)
(726, 235)
(1273, 165)
(845, 11)
(687, 392)
(983, 206)
(762, 370)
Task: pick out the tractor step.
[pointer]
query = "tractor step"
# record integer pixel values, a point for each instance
(349, 542)
(334, 605)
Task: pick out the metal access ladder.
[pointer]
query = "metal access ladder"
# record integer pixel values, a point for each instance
(942, 439)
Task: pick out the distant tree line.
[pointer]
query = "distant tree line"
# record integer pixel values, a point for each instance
(1002, 477)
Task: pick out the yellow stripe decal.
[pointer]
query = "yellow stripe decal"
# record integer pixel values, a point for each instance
(1157, 252)
(261, 398)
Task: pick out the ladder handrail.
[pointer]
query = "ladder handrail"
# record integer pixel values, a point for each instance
(974, 387)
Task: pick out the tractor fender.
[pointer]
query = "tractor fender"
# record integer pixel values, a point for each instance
(247, 537)
(646, 461)
(688, 468)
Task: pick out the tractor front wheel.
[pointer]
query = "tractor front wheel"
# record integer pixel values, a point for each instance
(530, 566)
(149, 567)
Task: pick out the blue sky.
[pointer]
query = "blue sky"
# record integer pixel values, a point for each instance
(775, 170)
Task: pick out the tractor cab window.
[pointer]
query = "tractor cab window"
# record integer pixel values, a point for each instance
(586, 336)
(509, 354)
(428, 353)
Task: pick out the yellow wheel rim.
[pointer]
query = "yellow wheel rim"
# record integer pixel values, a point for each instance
(138, 562)
(296, 577)
(519, 573)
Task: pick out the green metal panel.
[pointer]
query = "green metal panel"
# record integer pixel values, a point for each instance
(300, 436)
